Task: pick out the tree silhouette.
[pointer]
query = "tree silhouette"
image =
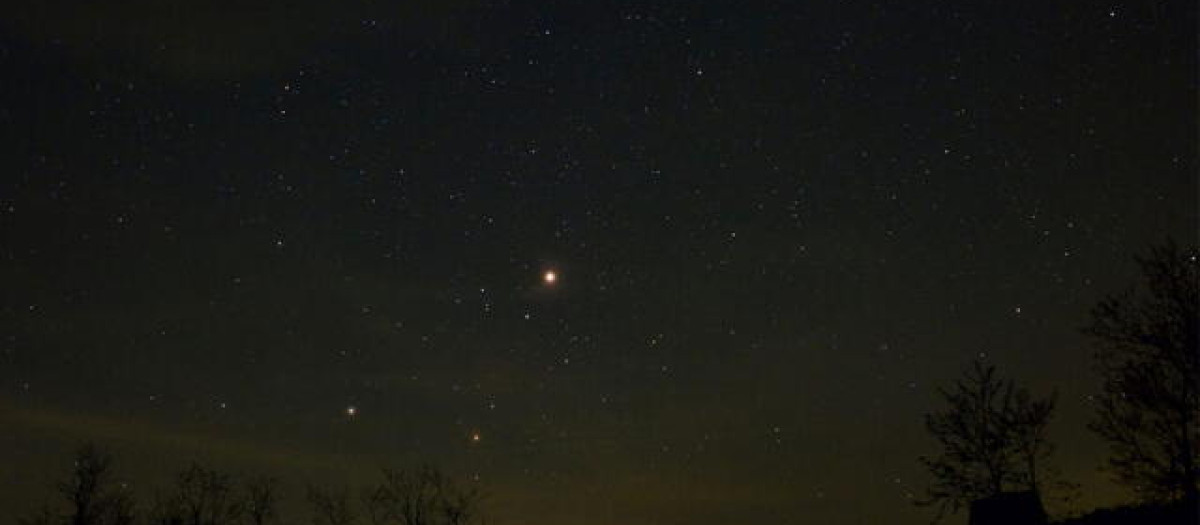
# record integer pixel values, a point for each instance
(330, 506)
(1029, 421)
(260, 500)
(420, 497)
(90, 495)
(1149, 356)
(993, 439)
(204, 496)
(201, 496)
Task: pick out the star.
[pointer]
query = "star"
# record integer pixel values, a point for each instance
(351, 411)
(550, 277)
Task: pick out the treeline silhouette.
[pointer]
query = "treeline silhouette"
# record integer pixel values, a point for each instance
(993, 457)
(992, 432)
(92, 495)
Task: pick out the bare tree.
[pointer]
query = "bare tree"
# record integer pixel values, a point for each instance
(330, 506)
(1148, 349)
(90, 494)
(201, 496)
(260, 500)
(376, 502)
(992, 437)
(120, 506)
(421, 497)
(87, 490)
(1028, 421)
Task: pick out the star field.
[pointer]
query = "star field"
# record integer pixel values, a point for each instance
(615, 262)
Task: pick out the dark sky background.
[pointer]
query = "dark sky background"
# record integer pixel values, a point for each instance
(777, 228)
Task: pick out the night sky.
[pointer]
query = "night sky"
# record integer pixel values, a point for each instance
(775, 229)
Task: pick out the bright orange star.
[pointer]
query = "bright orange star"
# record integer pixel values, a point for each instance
(550, 277)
